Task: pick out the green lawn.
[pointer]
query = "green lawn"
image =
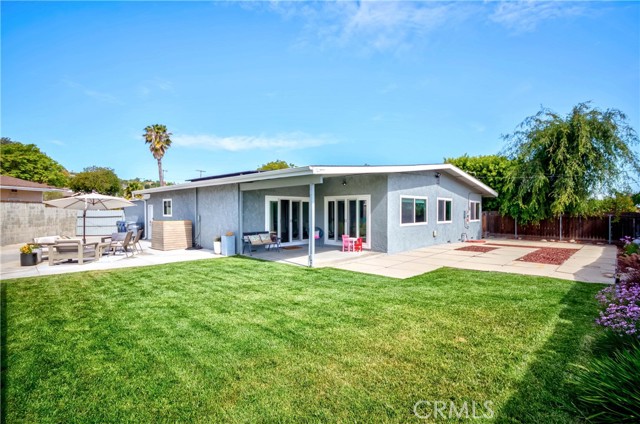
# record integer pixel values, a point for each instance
(240, 340)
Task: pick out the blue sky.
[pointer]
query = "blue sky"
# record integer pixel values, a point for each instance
(240, 84)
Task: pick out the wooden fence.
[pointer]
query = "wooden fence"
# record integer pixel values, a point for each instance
(605, 229)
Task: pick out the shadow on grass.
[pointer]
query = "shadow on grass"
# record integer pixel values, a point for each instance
(543, 395)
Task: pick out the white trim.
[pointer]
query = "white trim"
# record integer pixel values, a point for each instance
(277, 199)
(426, 211)
(471, 209)
(346, 198)
(170, 207)
(449, 199)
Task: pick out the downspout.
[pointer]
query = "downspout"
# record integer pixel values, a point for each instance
(196, 241)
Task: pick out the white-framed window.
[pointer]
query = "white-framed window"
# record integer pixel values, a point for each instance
(474, 210)
(167, 207)
(413, 210)
(444, 210)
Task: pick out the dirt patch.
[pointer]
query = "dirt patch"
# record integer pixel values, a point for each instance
(481, 249)
(549, 255)
(475, 241)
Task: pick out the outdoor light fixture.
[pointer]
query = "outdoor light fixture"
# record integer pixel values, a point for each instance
(437, 175)
(344, 182)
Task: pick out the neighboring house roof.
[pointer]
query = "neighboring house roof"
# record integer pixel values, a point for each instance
(14, 183)
(328, 171)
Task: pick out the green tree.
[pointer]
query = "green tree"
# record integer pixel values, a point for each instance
(132, 186)
(98, 179)
(616, 204)
(159, 140)
(491, 170)
(562, 161)
(636, 198)
(27, 162)
(275, 164)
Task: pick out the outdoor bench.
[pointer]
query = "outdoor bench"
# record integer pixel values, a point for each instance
(256, 239)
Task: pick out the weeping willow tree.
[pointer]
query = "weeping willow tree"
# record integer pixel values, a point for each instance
(560, 162)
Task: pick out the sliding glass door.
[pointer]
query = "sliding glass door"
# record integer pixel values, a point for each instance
(347, 215)
(288, 217)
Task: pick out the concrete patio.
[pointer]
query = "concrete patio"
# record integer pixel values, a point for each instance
(10, 261)
(591, 263)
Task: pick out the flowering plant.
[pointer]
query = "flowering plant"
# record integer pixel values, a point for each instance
(629, 246)
(27, 248)
(621, 304)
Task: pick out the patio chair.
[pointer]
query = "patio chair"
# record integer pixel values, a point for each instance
(73, 249)
(136, 241)
(357, 246)
(347, 243)
(124, 245)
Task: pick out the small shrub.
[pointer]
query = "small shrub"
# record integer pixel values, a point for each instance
(608, 389)
(621, 303)
(27, 248)
(629, 246)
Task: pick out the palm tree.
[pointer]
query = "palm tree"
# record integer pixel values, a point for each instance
(159, 141)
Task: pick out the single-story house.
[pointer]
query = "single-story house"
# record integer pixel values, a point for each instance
(14, 189)
(392, 208)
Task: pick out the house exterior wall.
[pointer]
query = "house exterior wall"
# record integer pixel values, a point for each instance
(407, 237)
(254, 205)
(373, 185)
(26, 196)
(219, 213)
(217, 208)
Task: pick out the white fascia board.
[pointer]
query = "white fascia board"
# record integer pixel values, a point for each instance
(265, 175)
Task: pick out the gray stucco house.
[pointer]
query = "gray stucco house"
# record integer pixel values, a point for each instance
(393, 208)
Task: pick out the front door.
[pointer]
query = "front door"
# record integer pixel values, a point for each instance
(349, 215)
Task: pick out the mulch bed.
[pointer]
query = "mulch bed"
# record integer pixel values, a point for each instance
(481, 249)
(549, 255)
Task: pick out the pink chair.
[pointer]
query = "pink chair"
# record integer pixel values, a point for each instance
(346, 243)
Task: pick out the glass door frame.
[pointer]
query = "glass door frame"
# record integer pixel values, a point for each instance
(346, 199)
(291, 199)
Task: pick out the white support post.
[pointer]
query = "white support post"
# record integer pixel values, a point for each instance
(239, 238)
(312, 223)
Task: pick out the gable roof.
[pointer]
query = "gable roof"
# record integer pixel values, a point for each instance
(14, 183)
(328, 171)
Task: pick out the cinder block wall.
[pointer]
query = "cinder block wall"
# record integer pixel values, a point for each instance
(21, 222)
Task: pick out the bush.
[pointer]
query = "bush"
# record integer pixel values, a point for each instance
(608, 389)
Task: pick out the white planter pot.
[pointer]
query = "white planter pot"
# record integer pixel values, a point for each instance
(217, 247)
